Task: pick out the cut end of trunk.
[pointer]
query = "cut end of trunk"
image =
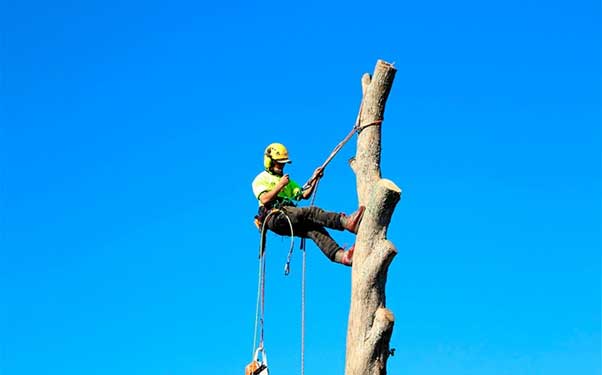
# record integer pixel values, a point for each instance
(390, 185)
(385, 64)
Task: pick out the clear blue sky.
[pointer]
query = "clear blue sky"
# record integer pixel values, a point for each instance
(131, 131)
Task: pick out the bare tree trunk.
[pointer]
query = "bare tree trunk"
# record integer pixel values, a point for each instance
(370, 322)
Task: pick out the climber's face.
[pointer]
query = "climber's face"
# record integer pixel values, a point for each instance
(278, 167)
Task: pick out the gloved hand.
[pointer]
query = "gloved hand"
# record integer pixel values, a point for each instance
(318, 173)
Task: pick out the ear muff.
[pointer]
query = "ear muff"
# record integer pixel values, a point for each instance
(275, 152)
(268, 162)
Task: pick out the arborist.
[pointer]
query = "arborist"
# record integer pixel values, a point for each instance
(276, 190)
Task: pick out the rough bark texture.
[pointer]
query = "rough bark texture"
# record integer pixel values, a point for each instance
(370, 322)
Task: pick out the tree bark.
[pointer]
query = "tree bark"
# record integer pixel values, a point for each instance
(370, 322)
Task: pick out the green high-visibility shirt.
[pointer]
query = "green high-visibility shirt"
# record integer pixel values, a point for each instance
(266, 181)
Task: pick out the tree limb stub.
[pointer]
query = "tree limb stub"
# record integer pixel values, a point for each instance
(372, 358)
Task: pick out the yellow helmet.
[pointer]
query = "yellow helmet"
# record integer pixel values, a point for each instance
(275, 152)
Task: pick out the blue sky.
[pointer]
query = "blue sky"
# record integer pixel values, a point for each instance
(131, 131)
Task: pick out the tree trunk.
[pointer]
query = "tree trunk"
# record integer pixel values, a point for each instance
(370, 322)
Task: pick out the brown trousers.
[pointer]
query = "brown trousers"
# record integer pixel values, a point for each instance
(308, 222)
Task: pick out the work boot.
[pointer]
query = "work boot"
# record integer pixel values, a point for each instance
(352, 222)
(345, 257)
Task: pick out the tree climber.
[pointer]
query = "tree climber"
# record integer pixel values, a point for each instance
(275, 190)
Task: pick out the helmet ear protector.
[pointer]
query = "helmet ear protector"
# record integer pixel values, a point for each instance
(268, 162)
(275, 152)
